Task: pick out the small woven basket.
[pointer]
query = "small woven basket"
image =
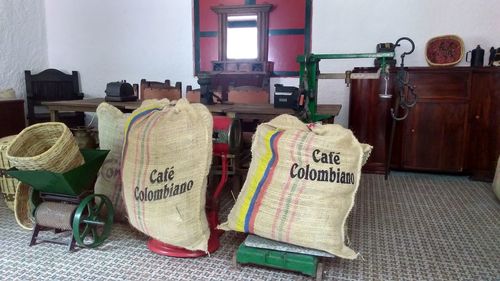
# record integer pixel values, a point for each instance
(459, 48)
(23, 206)
(45, 146)
(8, 184)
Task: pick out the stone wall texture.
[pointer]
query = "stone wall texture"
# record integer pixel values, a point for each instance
(23, 42)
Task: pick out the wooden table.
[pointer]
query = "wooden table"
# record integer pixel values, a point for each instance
(261, 112)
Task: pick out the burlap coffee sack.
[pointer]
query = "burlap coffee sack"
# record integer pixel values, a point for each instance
(496, 180)
(111, 135)
(166, 160)
(300, 185)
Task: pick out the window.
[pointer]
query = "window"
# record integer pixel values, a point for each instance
(243, 31)
(242, 37)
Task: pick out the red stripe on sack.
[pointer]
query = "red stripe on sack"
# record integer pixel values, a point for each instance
(285, 190)
(134, 178)
(147, 154)
(258, 202)
(297, 197)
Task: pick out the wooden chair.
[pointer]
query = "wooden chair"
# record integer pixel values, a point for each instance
(52, 85)
(248, 95)
(193, 95)
(159, 90)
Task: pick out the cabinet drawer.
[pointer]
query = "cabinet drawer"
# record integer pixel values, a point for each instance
(439, 85)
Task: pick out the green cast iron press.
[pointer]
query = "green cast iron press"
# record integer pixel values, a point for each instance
(67, 202)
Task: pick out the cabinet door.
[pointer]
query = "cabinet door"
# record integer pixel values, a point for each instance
(484, 137)
(434, 136)
(12, 116)
(369, 121)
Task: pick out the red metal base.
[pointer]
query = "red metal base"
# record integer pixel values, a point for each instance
(212, 210)
(178, 252)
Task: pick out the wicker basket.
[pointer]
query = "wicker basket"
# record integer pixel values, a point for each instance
(458, 46)
(23, 207)
(45, 146)
(8, 184)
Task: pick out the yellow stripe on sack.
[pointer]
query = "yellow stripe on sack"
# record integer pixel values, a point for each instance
(254, 182)
(140, 111)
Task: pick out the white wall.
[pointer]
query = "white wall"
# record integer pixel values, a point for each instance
(111, 40)
(357, 26)
(23, 44)
(121, 39)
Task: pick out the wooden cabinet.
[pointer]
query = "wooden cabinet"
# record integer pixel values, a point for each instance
(452, 128)
(434, 137)
(484, 120)
(369, 120)
(435, 132)
(12, 117)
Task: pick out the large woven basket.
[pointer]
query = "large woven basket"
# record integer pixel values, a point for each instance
(45, 146)
(8, 184)
(23, 206)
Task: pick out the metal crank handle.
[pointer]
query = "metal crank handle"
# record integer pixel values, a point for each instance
(406, 39)
(413, 100)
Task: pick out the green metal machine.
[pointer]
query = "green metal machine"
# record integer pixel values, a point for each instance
(309, 74)
(65, 202)
(265, 252)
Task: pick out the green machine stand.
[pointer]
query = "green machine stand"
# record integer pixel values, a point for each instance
(260, 251)
(304, 264)
(66, 203)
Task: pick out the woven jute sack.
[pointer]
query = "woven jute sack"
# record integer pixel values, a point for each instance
(111, 136)
(496, 180)
(301, 185)
(46, 146)
(166, 160)
(8, 184)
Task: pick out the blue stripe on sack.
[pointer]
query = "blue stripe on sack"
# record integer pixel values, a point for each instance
(139, 115)
(261, 182)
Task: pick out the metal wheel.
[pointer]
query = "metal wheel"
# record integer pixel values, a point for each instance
(92, 221)
(319, 271)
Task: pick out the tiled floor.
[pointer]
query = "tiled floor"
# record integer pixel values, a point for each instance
(411, 227)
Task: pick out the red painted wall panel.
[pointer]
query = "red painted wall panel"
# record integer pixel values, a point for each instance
(208, 18)
(208, 52)
(283, 51)
(286, 14)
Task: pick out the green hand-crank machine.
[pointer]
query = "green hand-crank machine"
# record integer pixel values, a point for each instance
(309, 75)
(285, 256)
(68, 204)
